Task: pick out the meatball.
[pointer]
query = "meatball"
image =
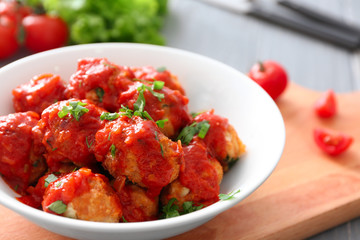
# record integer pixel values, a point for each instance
(34, 194)
(136, 148)
(221, 139)
(149, 73)
(172, 107)
(19, 165)
(42, 91)
(67, 130)
(136, 204)
(83, 195)
(198, 181)
(99, 81)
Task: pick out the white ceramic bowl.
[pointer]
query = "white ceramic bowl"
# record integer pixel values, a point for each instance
(208, 84)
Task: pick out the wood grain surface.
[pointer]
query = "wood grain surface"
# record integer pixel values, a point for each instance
(307, 193)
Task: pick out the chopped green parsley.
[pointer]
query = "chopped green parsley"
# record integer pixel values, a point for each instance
(76, 109)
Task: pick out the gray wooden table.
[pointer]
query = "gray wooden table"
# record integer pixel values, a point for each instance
(240, 41)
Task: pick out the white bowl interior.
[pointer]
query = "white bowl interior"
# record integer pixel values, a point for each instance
(208, 84)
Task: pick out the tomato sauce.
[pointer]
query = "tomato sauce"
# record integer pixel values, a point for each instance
(137, 206)
(140, 159)
(16, 162)
(99, 81)
(66, 139)
(67, 188)
(149, 73)
(137, 152)
(172, 107)
(199, 174)
(42, 91)
(215, 137)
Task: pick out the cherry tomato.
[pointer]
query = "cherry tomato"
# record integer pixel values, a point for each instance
(331, 142)
(44, 32)
(14, 10)
(271, 76)
(325, 106)
(8, 37)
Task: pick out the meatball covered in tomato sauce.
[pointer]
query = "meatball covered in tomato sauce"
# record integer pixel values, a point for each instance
(151, 74)
(136, 204)
(83, 195)
(99, 81)
(164, 104)
(198, 181)
(67, 130)
(221, 138)
(42, 91)
(137, 149)
(19, 164)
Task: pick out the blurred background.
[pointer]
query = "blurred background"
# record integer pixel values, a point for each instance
(237, 39)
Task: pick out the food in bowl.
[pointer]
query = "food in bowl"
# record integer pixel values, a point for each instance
(116, 135)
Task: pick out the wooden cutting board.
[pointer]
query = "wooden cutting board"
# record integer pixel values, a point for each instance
(307, 193)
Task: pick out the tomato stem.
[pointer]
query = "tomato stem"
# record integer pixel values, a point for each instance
(261, 66)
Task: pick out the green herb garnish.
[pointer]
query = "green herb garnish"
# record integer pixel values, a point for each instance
(142, 88)
(188, 207)
(161, 69)
(139, 105)
(158, 85)
(161, 123)
(112, 150)
(188, 132)
(58, 184)
(100, 93)
(109, 116)
(204, 129)
(49, 179)
(161, 146)
(58, 207)
(125, 111)
(87, 142)
(194, 114)
(170, 210)
(76, 109)
(228, 196)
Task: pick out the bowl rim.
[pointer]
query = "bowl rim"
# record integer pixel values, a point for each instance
(208, 212)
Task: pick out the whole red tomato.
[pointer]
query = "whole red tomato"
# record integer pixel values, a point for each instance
(8, 37)
(44, 32)
(14, 10)
(331, 142)
(271, 76)
(325, 106)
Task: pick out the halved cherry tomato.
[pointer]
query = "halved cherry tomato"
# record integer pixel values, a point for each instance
(271, 76)
(44, 32)
(325, 106)
(8, 37)
(331, 142)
